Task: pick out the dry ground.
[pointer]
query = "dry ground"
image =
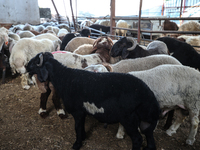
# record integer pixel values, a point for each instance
(21, 128)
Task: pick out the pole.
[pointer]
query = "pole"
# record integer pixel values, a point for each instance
(139, 19)
(72, 15)
(112, 20)
(56, 11)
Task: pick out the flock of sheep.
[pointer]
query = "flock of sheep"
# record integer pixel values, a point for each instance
(116, 81)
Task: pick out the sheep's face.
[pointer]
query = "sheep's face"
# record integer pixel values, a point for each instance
(120, 46)
(21, 70)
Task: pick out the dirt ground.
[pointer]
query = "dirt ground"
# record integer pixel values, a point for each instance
(21, 127)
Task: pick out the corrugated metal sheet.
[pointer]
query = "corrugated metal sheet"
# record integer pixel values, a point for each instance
(173, 7)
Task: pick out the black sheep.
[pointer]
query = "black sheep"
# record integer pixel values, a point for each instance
(69, 36)
(127, 47)
(182, 51)
(109, 97)
(103, 28)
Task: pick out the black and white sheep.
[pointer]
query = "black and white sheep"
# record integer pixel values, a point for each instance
(175, 87)
(127, 47)
(109, 97)
(102, 47)
(182, 51)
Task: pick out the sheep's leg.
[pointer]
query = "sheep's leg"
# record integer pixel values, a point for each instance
(24, 81)
(194, 120)
(180, 118)
(79, 118)
(131, 126)
(169, 119)
(120, 132)
(147, 129)
(43, 102)
(57, 104)
(3, 75)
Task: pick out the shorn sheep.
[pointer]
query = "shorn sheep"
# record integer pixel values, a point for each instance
(182, 51)
(175, 87)
(127, 47)
(24, 50)
(76, 42)
(138, 64)
(112, 104)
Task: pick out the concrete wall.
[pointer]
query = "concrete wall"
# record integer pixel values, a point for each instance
(19, 11)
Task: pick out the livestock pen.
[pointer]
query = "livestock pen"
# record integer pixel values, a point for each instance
(23, 128)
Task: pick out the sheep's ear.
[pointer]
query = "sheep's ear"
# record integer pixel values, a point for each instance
(125, 53)
(42, 74)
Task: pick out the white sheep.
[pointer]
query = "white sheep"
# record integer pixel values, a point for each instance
(76, 42)
(138, 64)
(175, 87)
(190, 26)
(14, 36)
(3, 36)
(104, 22)
(62, 32)
(47, 36)
(77, 61)
(39, 28)
(160, 46)
(25, 34)
(121, 24)
(84, 49)
(56, 30)
(24, 50)
(84, 23)
(28, 27)
(192, 40)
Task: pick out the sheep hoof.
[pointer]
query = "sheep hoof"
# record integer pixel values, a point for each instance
(77, 145)
(26, 87)
(170, 132)
(120, 136)
(44, 115)
(147, 148)
(63, 116)
(190, 141)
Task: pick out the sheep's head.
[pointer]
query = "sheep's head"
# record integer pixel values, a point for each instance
(123, 46)
(37, 66)
(103, 42)
(103, 46)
